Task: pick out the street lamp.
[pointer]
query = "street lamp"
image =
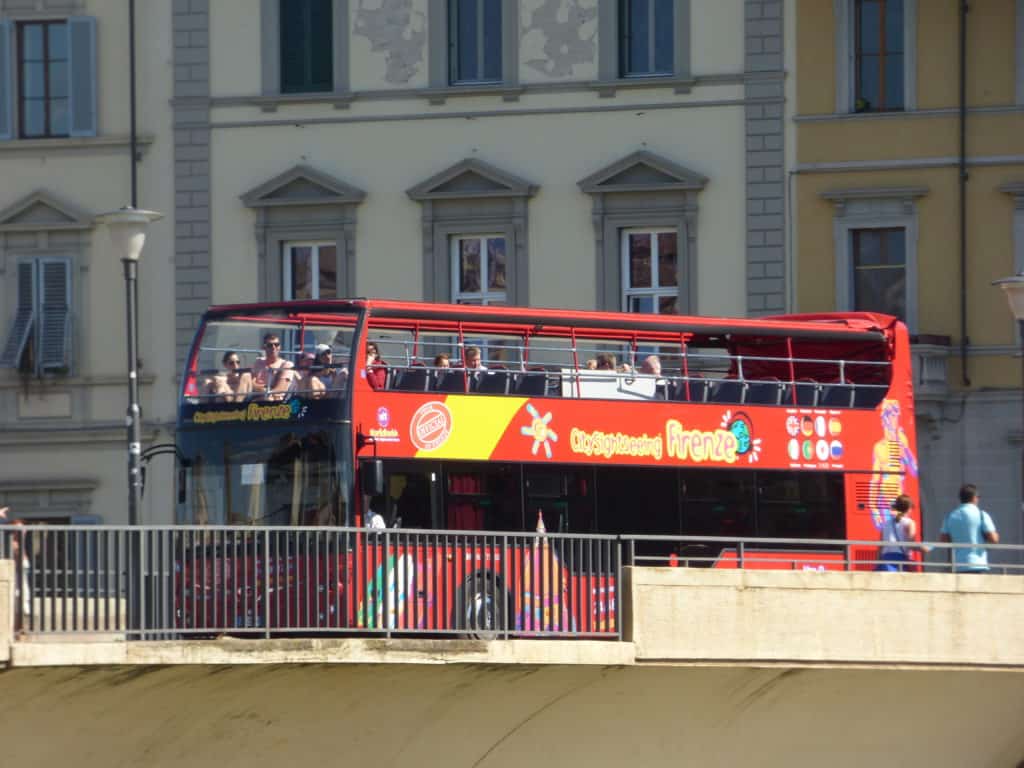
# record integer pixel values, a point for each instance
(127, 228)
(1013, 287)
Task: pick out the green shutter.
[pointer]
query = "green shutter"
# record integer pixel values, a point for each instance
(82, 75)
(6, 81)
(21, 331)
(55, 314)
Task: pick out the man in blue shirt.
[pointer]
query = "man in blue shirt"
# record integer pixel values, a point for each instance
(967, 524)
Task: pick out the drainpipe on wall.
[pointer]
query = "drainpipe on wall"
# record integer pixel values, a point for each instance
(964, 340)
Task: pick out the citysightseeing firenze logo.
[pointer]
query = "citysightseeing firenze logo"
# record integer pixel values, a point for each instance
(254, 412)
(726, 445)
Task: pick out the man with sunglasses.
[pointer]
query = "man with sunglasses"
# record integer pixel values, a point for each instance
(271, 373)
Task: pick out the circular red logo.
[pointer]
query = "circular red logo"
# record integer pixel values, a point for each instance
(430, 426)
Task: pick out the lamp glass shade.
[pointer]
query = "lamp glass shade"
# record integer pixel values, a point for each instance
(1013, 287)
(127, 228)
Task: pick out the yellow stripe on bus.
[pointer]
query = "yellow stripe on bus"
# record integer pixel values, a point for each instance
(478, 423)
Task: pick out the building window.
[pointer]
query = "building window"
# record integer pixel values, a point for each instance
(879, 262)
(878, 41)
(43, 80)
(47, 78)
(474, 39)
(650, 264)
(478, 269)
(310, 271)
(39, 340)
(647, 41)
(307, 53)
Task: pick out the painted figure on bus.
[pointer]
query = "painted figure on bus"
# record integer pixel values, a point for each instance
(891, 458)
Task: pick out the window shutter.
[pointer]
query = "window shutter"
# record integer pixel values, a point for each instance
(55, 314)
(22, 328)
(82, 75)
(6, 81)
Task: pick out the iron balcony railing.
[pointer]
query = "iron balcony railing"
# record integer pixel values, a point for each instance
(203, 581)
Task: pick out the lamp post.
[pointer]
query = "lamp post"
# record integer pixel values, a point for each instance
(127, 228)
(1013, 287)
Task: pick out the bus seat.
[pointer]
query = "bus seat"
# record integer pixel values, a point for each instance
(412, 379)
(533, 381)
(837, 395)
(728, 391)
(767, 392)
(453, 380)
(494, 382)
(867, 395)
(698, 389)
(807, 392)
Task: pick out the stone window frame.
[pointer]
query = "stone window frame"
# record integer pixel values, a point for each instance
(484, 296)
(663, 196)
(439, 47)
(322, 209)
(609, 47)
(874, 208)
(844, 45)
(58, 230)
(474, 198)
(270, 48)
(1016, 190)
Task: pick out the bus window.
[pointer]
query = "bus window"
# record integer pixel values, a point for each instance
(717, 502)
(800, 505)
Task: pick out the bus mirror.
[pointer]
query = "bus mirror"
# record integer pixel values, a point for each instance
(373, 477)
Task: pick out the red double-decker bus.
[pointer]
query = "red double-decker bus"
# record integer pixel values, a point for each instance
(484, 419)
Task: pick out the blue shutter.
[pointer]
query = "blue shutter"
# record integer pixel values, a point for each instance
(82, 75)
(54, 314)
(21, 331)
(6, 81)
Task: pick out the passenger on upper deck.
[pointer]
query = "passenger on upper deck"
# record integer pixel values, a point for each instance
(304, 382)
(651, 365)
(376, 369)
(333, 379)
(264, 370)
(605, 361)
(231, 385)
(473, 359)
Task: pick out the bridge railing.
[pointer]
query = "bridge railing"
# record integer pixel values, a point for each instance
(202, 581)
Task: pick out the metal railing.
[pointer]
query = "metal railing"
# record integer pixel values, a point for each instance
(203, 581)
(178, 581)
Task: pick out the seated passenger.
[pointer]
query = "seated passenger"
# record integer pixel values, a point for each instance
(651, 365)
(376, 369)
(304, 383)
(605, 362)
(231, 385)
(334, 379)
(265, 369)
(441, 364)
(473, 359)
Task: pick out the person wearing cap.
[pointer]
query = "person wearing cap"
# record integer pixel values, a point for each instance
(334, 379)
(304, 382)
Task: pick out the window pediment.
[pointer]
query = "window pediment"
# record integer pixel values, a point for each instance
(471, 178)
(642, 172)
(302, 185)
(41, 211)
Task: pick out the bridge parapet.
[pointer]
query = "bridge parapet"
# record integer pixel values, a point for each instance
(805, 617)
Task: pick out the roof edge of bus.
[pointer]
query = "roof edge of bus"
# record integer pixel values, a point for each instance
(854, 322)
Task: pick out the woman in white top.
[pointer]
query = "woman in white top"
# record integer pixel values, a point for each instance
(897, 529)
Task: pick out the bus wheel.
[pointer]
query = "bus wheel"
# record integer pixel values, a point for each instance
(483, 608)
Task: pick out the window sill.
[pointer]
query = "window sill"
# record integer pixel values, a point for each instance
(270, 103)
(608, 88)
(440, 95)
(83, 144)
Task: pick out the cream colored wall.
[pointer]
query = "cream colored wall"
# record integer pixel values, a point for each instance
(368, 68)
(815, 72)
(234, 48)
(716, 37)
(554, 152)
(78, 434)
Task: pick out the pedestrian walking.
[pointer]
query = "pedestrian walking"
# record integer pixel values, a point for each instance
(969, 524)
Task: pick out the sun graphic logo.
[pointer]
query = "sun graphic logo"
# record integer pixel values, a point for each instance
(743, 428)
(539, 430)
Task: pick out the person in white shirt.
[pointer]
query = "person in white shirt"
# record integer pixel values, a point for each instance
(897, 529)
(373, 518)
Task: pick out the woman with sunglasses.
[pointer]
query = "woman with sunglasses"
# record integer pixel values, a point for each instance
(232, 385)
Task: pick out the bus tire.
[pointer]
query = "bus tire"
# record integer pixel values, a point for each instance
(482, 608)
